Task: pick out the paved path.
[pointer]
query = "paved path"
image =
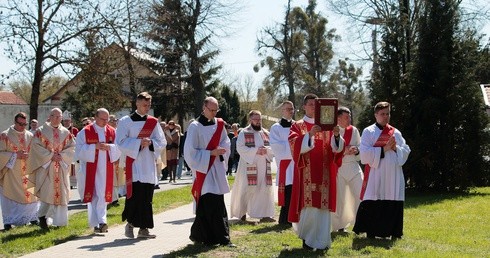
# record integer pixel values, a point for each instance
(171, 227)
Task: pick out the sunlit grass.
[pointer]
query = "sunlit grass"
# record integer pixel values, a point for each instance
(436, 225)
(23, 240)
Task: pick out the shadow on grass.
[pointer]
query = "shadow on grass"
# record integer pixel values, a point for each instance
(14, 236)
(415, 198)
(300, 252)
(359, 243)
(270, 228)
(191, 250)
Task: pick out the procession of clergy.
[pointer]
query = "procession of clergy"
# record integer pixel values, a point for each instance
(321, 187)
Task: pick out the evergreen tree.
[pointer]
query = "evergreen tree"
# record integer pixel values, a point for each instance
(448, 123)
(182, 54)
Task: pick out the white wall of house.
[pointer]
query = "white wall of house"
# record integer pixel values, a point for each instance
(8, 111)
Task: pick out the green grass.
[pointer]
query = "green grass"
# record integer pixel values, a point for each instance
(28, 239)
(436, 225)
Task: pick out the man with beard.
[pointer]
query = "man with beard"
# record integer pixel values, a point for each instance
(252, 192)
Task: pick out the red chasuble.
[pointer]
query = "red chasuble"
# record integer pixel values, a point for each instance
(314, 181)
(201, 176)
(383, 138)
(91, 137)
(145, 132)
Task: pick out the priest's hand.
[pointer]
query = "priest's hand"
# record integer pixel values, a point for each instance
(56, 157)
(218, 151)
(315, 129)
(351, 150)
(390, 145)
(102, 146)
(22, 154)
(262, 151)
(336, 131)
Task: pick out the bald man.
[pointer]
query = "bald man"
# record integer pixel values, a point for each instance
(52, 151)
(97, 151)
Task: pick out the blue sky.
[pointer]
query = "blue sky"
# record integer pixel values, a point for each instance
(238, 51)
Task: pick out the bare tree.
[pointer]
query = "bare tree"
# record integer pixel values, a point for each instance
(125, 23)
(42, 36)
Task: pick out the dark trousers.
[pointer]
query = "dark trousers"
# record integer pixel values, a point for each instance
(283, 215)
(210, 226)
(138, 209)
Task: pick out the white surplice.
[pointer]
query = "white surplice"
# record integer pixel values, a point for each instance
(278, 138)
(256, 200)
(144, 165)
(97, 208)
(197, 157)
(386, 180)
(349, 183)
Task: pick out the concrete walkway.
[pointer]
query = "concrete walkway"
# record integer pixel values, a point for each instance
(171, 227)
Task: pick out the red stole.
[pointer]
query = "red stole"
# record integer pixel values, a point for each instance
(314, 182)
(283, 166)
(383, 138)
(347, 137)
(201, 176)
(91, 137)
(145, 132)
(252, 169)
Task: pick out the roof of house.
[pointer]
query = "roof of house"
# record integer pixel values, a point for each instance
(135, 55)
(8, 97)
(485, 88)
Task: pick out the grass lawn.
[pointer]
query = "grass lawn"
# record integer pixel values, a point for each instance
(436, 225)
(24, 240)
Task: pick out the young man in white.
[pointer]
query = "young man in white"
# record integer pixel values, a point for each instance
(285, 165)
(349, 173)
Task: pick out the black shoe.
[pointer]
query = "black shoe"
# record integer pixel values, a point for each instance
(115, 203)
(244, 218)
(34, 222)
(307, 247)
(103, 228)
(157, 187)
(43, 223)
(229, 244)
(7, 227)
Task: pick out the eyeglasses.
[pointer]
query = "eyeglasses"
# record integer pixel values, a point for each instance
(171, 124)
(213, 110)
(85, 124)
(21, 124)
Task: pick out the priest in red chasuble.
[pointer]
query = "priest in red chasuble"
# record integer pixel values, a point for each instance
(313, 194)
